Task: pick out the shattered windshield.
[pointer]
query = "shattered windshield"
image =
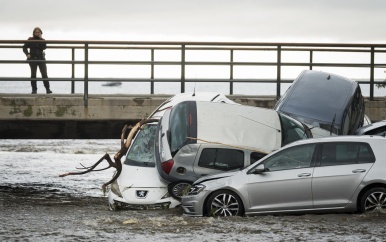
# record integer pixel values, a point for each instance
(141, 152)
(292, 130)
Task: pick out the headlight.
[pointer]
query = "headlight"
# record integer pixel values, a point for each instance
(196, 189)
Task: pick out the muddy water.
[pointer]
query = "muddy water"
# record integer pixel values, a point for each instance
(43, 214)
(37, 205)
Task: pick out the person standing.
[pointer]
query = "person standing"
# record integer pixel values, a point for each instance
(36, 53)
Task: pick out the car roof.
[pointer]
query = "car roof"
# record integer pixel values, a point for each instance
(239, 125)
(199, 96)
(341, 138)
(330, 93)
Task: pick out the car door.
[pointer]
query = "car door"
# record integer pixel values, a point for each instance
(286, 183)
(341, 166)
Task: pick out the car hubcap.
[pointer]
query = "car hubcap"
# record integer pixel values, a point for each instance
(225, 205)
(375, 201)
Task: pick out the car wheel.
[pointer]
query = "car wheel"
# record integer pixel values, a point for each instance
(374, 199)
(178, 188)
(224, 203)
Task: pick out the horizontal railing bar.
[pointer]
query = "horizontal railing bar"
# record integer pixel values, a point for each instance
(192, 63)
(202, 48)
(198, 43)
(165, 80)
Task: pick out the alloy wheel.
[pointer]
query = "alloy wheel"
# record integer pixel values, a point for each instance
(375, 201)
(224, 205)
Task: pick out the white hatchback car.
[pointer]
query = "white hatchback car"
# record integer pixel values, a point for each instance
(139, 185)
(187, 134)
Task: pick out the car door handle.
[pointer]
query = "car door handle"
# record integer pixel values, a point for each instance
(304, 174)
(358, 171)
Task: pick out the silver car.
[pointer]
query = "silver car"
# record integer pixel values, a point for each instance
(334, 174)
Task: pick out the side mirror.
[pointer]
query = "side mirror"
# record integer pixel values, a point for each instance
(259, 169)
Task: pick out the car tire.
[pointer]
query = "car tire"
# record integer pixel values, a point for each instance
(224, 203)
(177, 189)
(373, 200)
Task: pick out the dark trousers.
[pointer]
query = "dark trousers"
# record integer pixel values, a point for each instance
(43, 70)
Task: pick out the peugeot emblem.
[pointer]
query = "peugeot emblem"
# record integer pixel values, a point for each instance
(141, 193)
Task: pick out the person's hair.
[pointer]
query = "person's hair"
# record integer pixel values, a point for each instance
(37, 28)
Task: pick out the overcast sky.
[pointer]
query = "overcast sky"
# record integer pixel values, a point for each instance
(332, 21)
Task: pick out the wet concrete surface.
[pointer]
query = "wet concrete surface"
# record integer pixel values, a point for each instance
(46, 214)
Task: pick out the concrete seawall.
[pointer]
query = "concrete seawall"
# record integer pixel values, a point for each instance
(65, 116)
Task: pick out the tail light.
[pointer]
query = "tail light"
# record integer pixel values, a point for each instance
(167, 166)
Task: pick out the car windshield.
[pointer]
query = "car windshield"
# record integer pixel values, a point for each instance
(292, 129)
(141, 152)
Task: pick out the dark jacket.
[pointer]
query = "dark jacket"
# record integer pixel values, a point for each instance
(36, 50)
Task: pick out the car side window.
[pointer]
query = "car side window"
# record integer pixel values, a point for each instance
(366, 154)
(345, 153)
(221, 159)
(255, 156)
(291, 158)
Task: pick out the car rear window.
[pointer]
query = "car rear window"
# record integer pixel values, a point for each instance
(182, 125)
(221, 159)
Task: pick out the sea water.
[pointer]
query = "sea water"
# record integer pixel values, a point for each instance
(37, 164)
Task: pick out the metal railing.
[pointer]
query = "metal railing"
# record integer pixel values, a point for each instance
(183, 47)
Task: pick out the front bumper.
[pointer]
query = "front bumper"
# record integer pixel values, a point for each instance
(193, 205)
(131, 201)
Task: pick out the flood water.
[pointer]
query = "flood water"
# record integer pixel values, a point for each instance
(38, 205)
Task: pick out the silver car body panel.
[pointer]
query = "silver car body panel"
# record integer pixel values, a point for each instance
(327, 194)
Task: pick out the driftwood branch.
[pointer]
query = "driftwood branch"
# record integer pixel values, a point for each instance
(125, 144)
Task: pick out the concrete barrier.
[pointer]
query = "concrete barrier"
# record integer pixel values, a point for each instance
(31, 116)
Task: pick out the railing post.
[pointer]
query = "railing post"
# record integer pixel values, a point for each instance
(85, 97)
(152, 72)
(73, 70)
(311, 58)
(182, 68)
(231, 75)
(278, 76)
(372, 74)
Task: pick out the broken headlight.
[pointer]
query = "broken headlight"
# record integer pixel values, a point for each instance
(196, 189)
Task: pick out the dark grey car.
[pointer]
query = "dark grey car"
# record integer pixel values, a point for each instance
(326, 101)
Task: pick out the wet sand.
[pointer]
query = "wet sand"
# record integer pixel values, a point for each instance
(45, 214)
